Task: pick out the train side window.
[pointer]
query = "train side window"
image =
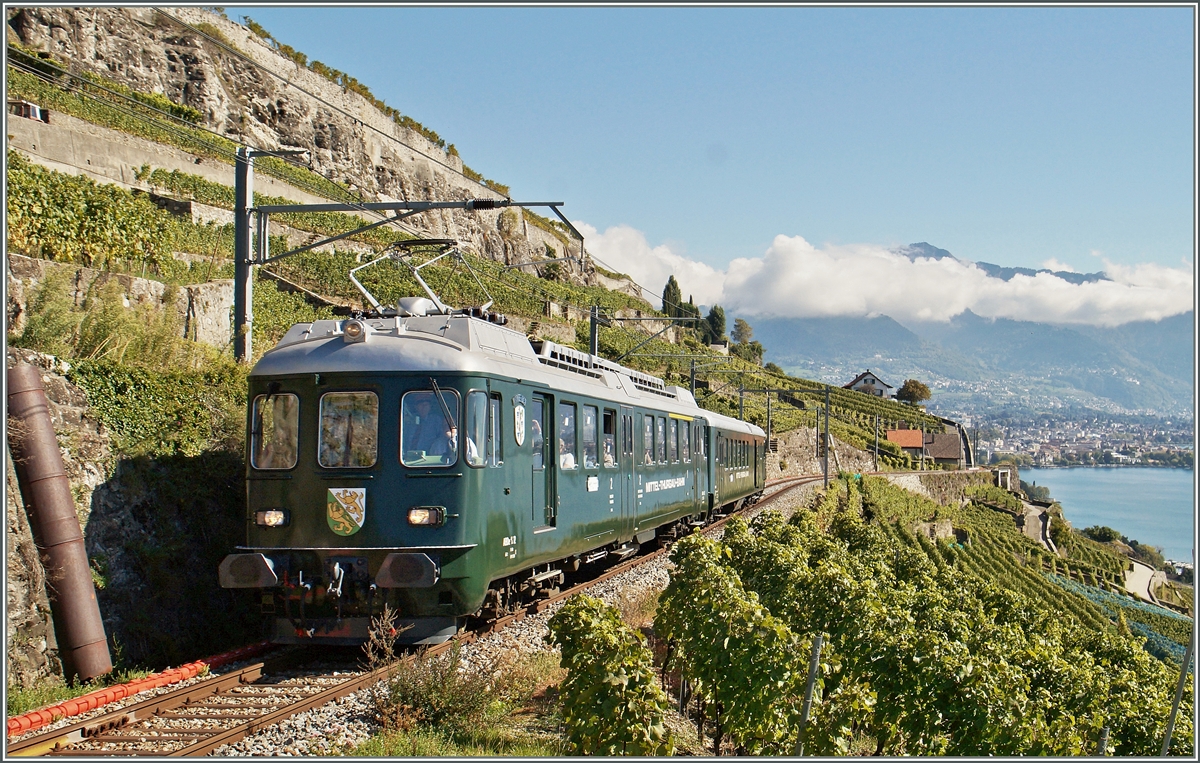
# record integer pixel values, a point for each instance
(477, 405)
(698, 432)
(349, 433)
(685, 440)
(647, 439)
(673, 440)
(427, 438)
(590, 455)
(567, 440)
(609, 448)
(660, 439)
(275, 433)
(495, 441)
(535, 431)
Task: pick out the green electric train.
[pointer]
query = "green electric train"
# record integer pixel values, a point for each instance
(448, 467)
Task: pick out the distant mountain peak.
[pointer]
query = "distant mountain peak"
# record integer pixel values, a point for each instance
(923, 249)
(929, 251)
(1006, 274)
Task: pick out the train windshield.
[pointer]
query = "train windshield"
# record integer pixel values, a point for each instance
(349, 433)
(274, 436)
(428, 438)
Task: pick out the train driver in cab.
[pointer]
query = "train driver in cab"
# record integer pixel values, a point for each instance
(430, 434)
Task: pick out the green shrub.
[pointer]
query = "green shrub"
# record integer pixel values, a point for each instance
(612, 703)
(437, 692)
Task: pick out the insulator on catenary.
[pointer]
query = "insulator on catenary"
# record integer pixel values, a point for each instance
(481, 204)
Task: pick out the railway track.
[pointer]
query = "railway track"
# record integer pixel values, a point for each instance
(195, 720)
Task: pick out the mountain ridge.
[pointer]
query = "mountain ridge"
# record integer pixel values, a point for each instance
(1142, 366)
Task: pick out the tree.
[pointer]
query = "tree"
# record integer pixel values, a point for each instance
(775, 369)
(672, 298)
(913, 392)
(742, 333)
(715, 325)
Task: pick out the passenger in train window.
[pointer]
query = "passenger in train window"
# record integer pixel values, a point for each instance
(566, 438)
(566, 459)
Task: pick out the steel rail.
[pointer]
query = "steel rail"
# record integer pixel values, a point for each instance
(47, 742)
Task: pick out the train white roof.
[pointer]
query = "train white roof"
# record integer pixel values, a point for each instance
(461, 343)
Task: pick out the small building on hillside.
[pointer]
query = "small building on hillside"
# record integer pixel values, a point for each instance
(939, 447)
(911, 441)
(946, 449)
(28, 110)
(869, 383)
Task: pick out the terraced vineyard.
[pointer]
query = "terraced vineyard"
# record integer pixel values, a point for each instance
(1088, 586)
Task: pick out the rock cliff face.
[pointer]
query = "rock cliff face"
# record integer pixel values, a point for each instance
(154, 530)
(203, 309)
(254, 95)
(33, 651)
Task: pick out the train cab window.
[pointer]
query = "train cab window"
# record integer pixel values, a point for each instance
(660, 440)
(673, 440)
(567, 444)
(477, 410)
(349, 432)
(275, 434)
(647, 439)
(536, 422)
(495, 441)
(590, 445)
(685, 440)
(428, 437)
(609, 447)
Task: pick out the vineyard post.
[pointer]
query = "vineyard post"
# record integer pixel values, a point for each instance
(814, 662)
(922, 447)
(1183, 671)
(742, 402)
(827, 438)
(768, 420)
(877, 442)
(1102, 745)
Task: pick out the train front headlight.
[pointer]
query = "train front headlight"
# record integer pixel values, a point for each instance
(271, 518)
(426, 515)
(355, 331)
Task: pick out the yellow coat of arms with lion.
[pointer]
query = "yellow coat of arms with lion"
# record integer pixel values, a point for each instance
(346, 509)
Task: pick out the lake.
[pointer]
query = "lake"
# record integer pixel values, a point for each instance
(1153, 506)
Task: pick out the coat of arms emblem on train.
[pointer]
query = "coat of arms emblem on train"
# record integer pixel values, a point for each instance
(346, 509)
(519, 423)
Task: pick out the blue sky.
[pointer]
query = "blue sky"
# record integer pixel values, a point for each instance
(1008, 135)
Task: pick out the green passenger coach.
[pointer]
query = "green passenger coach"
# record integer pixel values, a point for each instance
(441, 464)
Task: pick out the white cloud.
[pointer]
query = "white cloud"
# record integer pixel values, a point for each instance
(626, 250)
(1058, 267)
(793, 278)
